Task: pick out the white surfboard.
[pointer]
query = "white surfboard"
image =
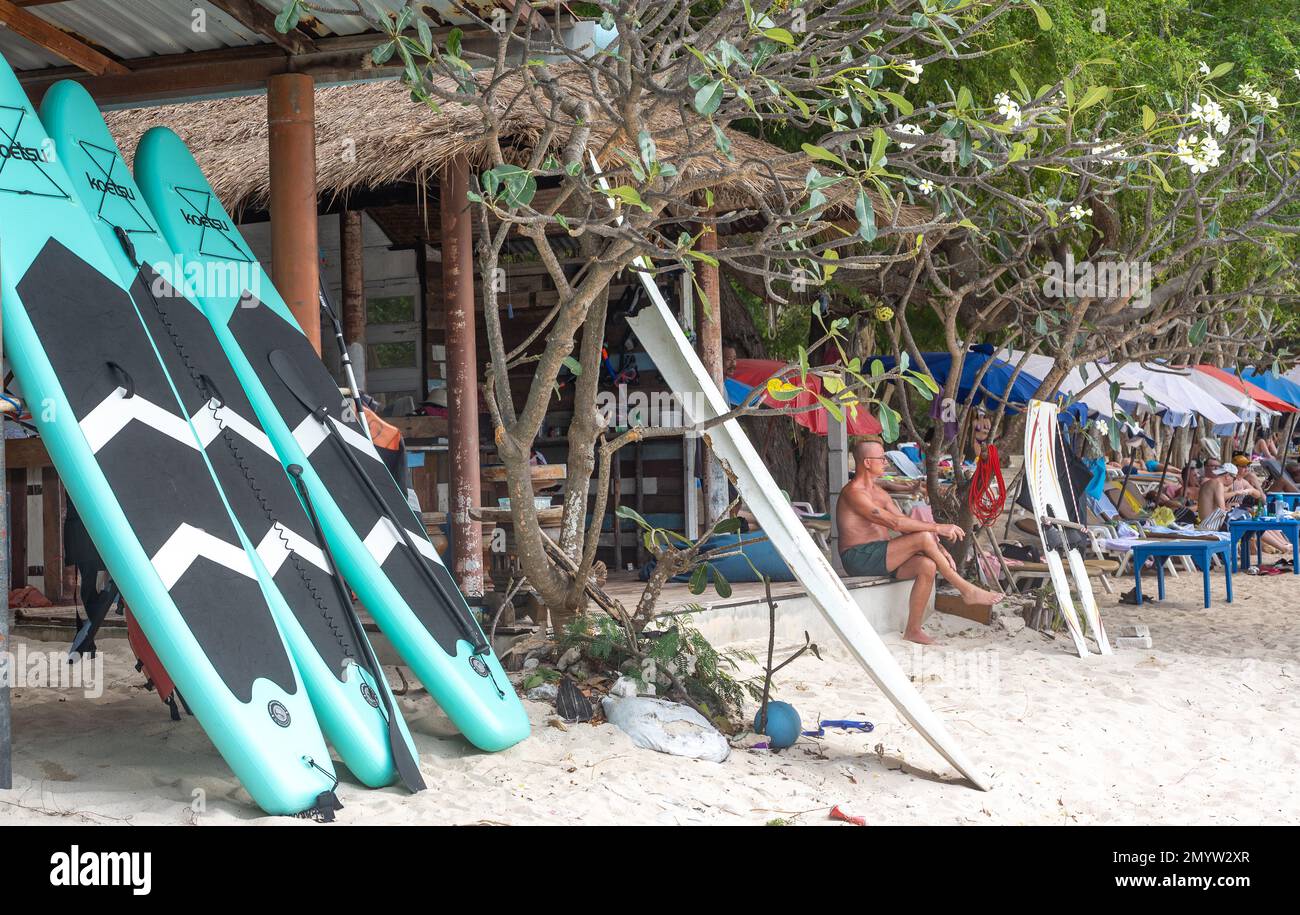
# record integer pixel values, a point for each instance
(1041, 434)
(673, 356)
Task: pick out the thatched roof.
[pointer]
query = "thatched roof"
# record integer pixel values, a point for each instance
(369, 135)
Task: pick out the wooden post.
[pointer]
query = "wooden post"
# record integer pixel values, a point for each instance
(837, 477)
(710, 348)
(6, 666)
(295, 252)
(464, 489)
(352, 268)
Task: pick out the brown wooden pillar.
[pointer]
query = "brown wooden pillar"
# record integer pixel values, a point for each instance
(295, 254)
(709, 324)
(464, 489)
(352, 267)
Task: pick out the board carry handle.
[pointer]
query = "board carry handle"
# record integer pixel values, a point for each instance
(123, 377)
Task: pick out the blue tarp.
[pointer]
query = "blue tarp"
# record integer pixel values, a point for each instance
(1279, 387)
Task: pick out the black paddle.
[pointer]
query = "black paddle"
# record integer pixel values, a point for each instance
(297, 385)
(407, 766)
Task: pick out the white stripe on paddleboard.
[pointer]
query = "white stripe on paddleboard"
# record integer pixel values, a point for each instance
(187, 544)
(210, 419)
(310, 433)
(275, 552)
(116, 411)
(384, 536)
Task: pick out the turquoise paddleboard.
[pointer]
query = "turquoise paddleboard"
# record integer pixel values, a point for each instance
(380, 544)
(108, 415)
(349, 694)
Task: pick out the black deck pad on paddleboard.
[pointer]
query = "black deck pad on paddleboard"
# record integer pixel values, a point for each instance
(256, 486)
(95, 343)
(260, 332)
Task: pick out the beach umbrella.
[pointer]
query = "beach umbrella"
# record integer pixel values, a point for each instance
(995, 385)
(752, 373)
(1254, 391)
(1177, 400)
(1231, 396)
(1277, 385)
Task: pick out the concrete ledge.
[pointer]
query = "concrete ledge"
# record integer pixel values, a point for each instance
(883, 602)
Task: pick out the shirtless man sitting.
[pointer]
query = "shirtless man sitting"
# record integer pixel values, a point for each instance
(866, 516)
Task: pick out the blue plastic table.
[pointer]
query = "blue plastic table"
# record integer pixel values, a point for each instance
(1202, 550)
(1244, 530)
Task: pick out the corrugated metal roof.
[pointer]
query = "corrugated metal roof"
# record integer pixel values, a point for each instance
(134, 29)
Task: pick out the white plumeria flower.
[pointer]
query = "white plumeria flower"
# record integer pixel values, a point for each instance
(912, 129)
(1078, 213)
(1207, 111)
(1211, 151)
(926, 187)
(1269, 100)
(1009, 108)
(1211, 113)
(1205, 68)
(915, 71)
(1296, 71)
(1111, 151)
(1187, 154)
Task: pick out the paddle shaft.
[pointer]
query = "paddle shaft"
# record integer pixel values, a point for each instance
(407, 767)
(344, 357)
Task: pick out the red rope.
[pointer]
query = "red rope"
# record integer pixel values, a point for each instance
(986, 500)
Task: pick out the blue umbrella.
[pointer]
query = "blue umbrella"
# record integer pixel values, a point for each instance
(993, 387)
(1279, 387)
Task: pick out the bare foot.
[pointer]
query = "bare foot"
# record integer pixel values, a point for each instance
(981, 598)
(918, 636)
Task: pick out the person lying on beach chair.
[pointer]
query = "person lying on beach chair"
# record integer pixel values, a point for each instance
(866, 517)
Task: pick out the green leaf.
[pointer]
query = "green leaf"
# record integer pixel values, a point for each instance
(729, 526)
(426, 35)
(383, 53)
(964, 99)
(628, 195)
(780, 36)
(1044, 20)
(573, 365)
(288, 18)
(1092, 97)
(822, 155)
(1219, 70)
(709, 97)
(699, 579)
(782, 390)
(879, 143)
(888, 423)
(903, 105)
(866, 215)
(1017, 153)
(453, 42)
(1200, 330)
(720, 583)
(631, 514)
(1148, 117)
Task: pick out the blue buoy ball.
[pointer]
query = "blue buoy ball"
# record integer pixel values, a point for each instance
(783, 724)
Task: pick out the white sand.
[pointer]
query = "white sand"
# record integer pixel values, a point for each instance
(1204, 728)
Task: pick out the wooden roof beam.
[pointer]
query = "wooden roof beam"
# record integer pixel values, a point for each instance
(257, 18)
(58, 42)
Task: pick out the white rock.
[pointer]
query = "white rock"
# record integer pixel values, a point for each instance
(569, 658)
(544, 693)
(531, 663)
